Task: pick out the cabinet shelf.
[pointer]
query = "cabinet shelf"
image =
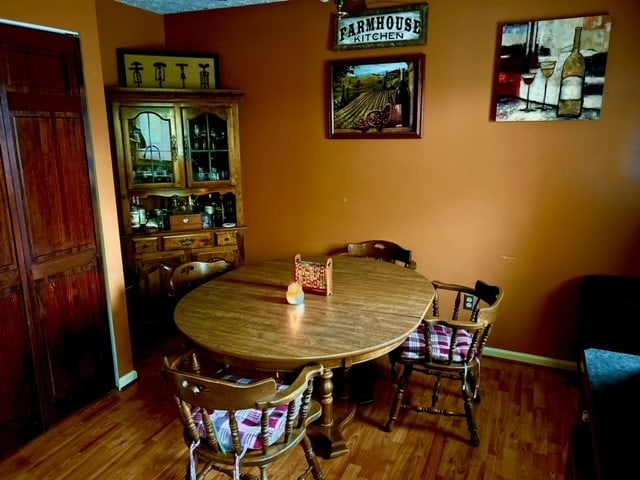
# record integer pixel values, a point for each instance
(221, 150)
(222, 187)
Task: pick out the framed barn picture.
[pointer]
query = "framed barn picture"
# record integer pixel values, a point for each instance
(376, 97)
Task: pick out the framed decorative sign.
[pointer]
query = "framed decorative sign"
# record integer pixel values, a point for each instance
(160, 69)
(384, 27)
(376, 97)
(552, 69)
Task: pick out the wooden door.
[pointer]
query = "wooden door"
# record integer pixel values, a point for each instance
(20, 417)
(51, 193)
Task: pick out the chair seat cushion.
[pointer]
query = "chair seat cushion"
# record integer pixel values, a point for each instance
(248, 421)
(415, 346)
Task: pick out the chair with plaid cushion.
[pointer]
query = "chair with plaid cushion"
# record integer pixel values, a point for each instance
(448, 348)
(233, 422)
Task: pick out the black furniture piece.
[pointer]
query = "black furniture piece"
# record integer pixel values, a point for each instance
(607, 302)
(609, 370)
(603, 447)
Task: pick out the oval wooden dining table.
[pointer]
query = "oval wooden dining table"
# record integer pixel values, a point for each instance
(243, 319)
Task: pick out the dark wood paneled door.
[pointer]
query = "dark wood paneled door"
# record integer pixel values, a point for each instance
(20, 417)
(53, 310)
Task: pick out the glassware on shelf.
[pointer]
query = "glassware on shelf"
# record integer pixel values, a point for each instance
(229, 209)
(196, 134)
(213, 138)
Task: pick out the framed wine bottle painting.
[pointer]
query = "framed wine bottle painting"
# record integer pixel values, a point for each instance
(551, 70)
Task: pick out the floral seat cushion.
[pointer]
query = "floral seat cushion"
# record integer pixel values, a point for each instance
(414, 347)
(248, 421)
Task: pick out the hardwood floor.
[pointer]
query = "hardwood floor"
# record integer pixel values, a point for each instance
(525, 419)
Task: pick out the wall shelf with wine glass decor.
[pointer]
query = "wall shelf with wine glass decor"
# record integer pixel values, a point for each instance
(550, 70)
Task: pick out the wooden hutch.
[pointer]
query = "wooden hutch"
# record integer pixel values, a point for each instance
(177, 155)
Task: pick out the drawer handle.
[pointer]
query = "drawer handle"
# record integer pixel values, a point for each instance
(186, 242)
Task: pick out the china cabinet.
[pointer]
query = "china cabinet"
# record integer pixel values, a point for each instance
(177, 155)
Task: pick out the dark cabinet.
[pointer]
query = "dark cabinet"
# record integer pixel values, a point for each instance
(56, 347)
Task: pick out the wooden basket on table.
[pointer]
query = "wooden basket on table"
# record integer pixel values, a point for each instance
(312, 276)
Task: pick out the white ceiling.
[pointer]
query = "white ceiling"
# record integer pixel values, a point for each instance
(163, 7)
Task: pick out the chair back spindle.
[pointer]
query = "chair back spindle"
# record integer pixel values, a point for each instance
(382, 250)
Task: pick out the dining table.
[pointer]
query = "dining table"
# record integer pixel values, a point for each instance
(243, 319)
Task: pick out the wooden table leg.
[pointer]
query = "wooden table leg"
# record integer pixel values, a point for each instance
(329, 427)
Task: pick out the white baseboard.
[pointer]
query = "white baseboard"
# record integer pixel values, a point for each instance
(127, 379)
(528, 358)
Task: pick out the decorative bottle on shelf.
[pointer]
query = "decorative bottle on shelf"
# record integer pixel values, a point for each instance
(138, 214)
(229, 209)
(572, 81)
(218, 214)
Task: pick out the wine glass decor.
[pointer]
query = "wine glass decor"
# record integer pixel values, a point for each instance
(527, 78)
(546, 68)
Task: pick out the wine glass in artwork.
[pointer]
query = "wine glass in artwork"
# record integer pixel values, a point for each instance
(546, 68)
(527, 78)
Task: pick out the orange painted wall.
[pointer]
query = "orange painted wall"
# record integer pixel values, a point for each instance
(530, 206)
(122, 26)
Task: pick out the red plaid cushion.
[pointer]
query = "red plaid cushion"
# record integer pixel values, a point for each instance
(248, 422)
(414, 347)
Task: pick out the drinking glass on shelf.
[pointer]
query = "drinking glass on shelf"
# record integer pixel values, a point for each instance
(527, 78)
(546, 68)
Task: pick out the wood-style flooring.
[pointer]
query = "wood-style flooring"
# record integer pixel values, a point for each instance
(525, 420)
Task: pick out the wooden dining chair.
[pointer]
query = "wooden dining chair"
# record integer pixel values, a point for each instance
(360, 379)
(233, 423)
(448, 347)
(151, 316)
(382, 250)
(185, 277)
(154, 322)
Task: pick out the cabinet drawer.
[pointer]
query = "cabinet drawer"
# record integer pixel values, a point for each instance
(191, 240)
(191, 221)
(226, 238)
(145, 244)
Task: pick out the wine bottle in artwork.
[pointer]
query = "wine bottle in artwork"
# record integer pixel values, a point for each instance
(403, 98)
(572, 81)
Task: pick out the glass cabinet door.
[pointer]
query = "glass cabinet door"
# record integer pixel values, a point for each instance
(207, 146)
(149, 137)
